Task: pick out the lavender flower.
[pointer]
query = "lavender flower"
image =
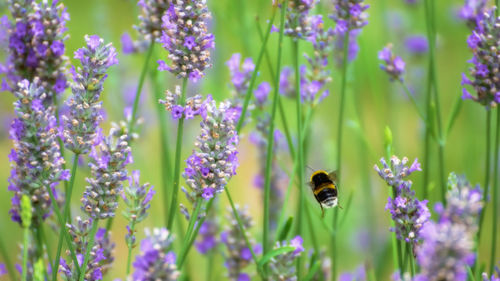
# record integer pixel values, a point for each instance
(282, 267)
(448, 245)
(3, 269)
(130, 46)
(186, 38)
(352, 47)
(137, 197)
(393, 65)
(36, 162)
(207, 236)
(107, 167)
(100, 255)
(358, 275)
(472, 10)
(84, 113)
(485, 73)
(240, 79)
(215, 160)
(493, 277)
(417, 44)
(36, 46)
(297, 24)
(238, 255)
(408, 213)
(261, 94)
(156, 262)
(152, 11)
(194, 105)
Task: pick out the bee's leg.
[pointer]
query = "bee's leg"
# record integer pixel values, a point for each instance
(322, 211)
(340, 206)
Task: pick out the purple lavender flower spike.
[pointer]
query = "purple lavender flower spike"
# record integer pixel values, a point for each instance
(408, 213)
(282, 267)
(101, 255)
(494, 277)
(240, 74)
(137, 198)
(155, 261)
(194, 105)
(298, 20)
(261, 94)
(207, 236)
(235, 244)
(36, 163)
(84, 115)
(186, 38)
(484, 72)
(3, 269)
(152, 11)
(108, 169)
(393, 65)
(358, 275)
(215, 160)
(448, 243)
(36, 38)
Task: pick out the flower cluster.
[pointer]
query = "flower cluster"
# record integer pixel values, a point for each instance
(358, 275)
(215, 160)
(207, 236)
(100, 255)
(186, 38)
(152, 11)
(194, 105)
(3, 269)
(240, 79)
(238, 255)
(84, 108)
(393, 65)
(417, 44)
(485, 276)
(137, 198)
(485, 45)
(298, 20)
(36, 46)
(472, 10)
(448, 245)
(130, 46)
(155, 261)
(36, 161)
(408, 213)
(108, 162)
(282, 267)
(315, 77)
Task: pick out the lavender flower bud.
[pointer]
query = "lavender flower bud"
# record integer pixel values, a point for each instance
(155, 261)
(282, 267)
(393, 65)
(84, 114)
(36, 162)
(472, 10)
(36, 46)
(194, 105)
(485, 45)
(238, 256)
(100, 259)
(298, 21)
(108, 170)
(349, 15)
(448, 245)
(26, 214)
(397, 170)
(186, 38)
(137, 197)
(214, 162)
(152, 11)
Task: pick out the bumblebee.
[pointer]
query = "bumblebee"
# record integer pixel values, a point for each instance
(324, 189)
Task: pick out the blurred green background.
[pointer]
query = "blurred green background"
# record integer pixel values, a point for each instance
(372, 103)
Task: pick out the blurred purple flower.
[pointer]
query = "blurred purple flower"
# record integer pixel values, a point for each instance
(417, 44)
(393, 65)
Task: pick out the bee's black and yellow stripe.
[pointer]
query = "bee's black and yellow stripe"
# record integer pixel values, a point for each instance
(324, 187)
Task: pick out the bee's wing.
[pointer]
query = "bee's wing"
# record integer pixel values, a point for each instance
(333, 176)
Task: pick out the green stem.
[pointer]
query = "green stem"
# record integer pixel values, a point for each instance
(6, 259)
(177, 164)
(26, 235)
(88, 250)
(47, 246)
(65, 217)
(62, 224)
(248, 94)
(431, 36)
(487, 173)
(138, 91)
(412, 261)
(166, 171)
(340, 129)
(130, 247)
(270, 136)
(190, 235)
(495, 196)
